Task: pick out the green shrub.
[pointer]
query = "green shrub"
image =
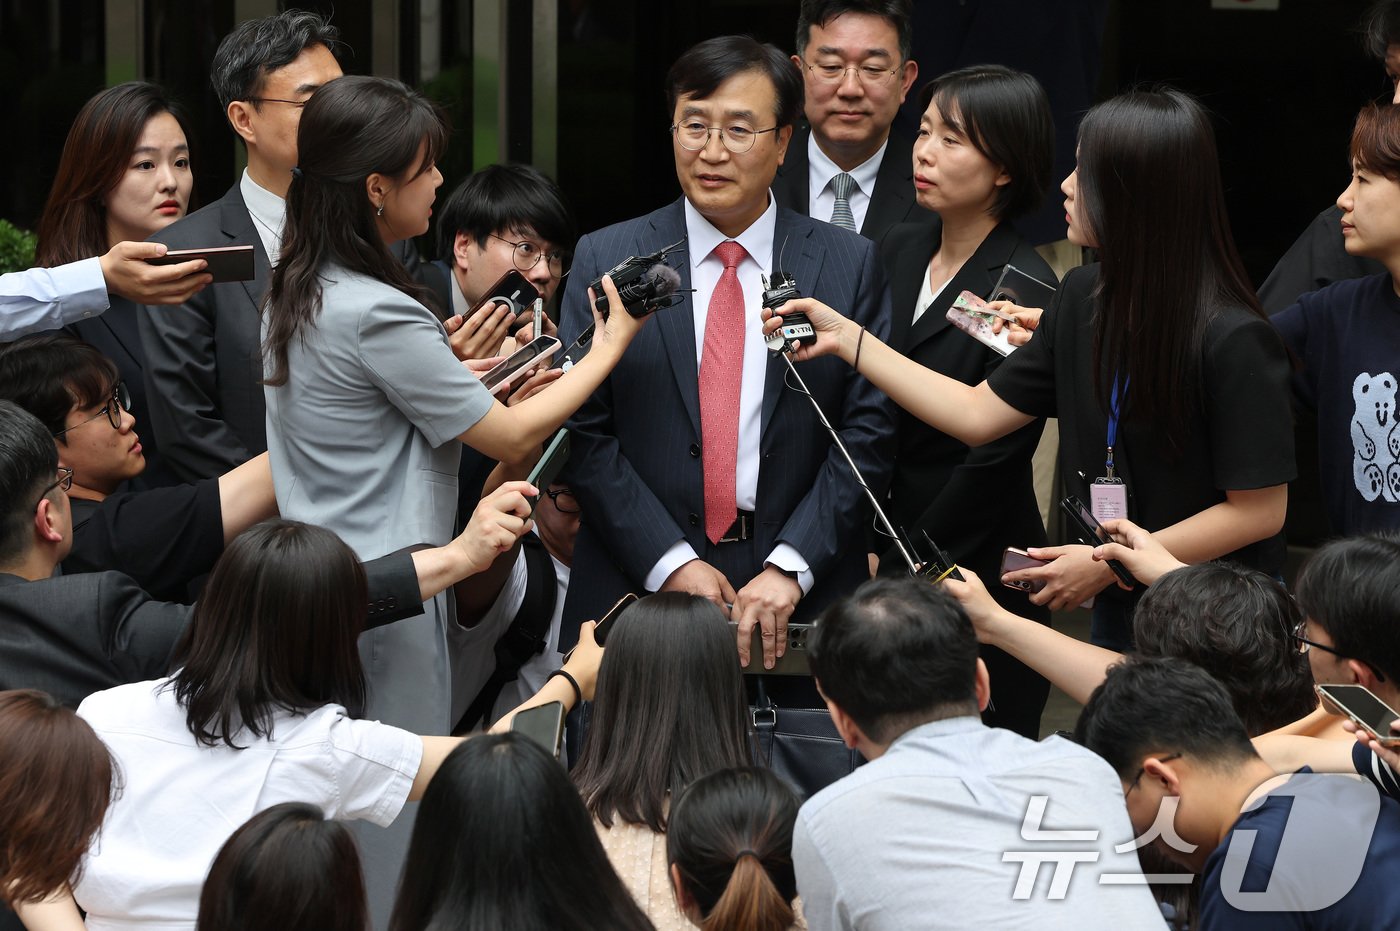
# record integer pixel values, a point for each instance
(16, 247)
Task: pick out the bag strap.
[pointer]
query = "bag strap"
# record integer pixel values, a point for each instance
(527, 633)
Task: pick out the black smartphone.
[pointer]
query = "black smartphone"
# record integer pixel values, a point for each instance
(793, 662)
(513, 290)
(547, 469)
(544, 724)
(226, 263)
(1363, 706)
(1091, 533)
(519, 362)
(1013, 559)
(600, 632)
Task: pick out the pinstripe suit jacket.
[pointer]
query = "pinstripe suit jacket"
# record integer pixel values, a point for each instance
(636, 463)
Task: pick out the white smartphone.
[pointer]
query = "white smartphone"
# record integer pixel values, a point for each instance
(518, 363)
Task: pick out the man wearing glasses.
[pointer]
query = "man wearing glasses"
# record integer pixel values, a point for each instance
(698, 470)
(847, 166)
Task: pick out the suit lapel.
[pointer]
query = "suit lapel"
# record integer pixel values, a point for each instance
(677, 323)
(978, 275)
(237, 224)
(803, 257)
(894, 188)
(906, 276)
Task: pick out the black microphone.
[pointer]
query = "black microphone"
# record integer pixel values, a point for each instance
(645, 283)
(795, 328)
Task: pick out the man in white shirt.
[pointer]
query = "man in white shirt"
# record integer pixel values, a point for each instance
(203, 362)
(697, 468)
(951, 823)
(847, 166)
(41, 299)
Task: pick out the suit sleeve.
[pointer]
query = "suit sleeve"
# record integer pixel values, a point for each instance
(182, 388)
(615, 500)
(141, 633)
(394, 593)
(833, 513)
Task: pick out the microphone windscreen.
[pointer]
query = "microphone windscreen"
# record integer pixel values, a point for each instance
(662, 280)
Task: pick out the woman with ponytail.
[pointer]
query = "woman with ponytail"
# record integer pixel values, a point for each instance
(730, 849)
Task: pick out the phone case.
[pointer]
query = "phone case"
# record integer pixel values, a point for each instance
(1012, 561)
(226, 263)
(1017, 287)
(970, 315)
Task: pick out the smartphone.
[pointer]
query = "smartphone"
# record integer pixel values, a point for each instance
(226, 263)
(971, 314)
(519, 362)
(793, 662)
(1013, 560)
(547, 469)
(1020, 288)
(1091, 533)
(1361, 705)
(544, 724)
(600, 633)
(511, 289)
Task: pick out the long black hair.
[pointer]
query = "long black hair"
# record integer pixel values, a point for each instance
(731, 839)
(669, 707)
(275, 629)
(1150, 186)
(351, 128)
(502, 843)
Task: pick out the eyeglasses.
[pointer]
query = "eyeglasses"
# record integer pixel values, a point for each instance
(112, 410)
(291, 103)
(694, 135)
(556, 493)
(65, 482)
(527, 255)
(1304, 645)
(1141, 772)
(869, 75)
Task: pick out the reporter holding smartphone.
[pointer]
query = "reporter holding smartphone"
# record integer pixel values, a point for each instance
(1159, 351)
(367, 405)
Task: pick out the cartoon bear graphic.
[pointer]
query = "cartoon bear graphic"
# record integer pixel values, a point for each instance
(1375, 440)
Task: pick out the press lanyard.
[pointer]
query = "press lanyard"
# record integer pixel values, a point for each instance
(1112, 428)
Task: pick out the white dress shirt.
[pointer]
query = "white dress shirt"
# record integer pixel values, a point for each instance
(269, 213)
(705, 271)
(822, 171)
(927, 295)
(41, 299)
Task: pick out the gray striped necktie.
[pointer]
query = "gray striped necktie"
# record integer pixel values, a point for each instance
(842, 185)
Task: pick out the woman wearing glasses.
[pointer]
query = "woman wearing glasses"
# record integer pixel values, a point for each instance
(367, 406)
(123, 176)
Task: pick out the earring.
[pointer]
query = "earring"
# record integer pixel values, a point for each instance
(380, 211)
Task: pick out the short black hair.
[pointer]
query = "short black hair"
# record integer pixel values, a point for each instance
(1351, 589)
(52, 374)
(1006, 116)
(1161, 705)
(899, 13)
(1237, 624)
(506, 197)
(895, 654)
(28, 462)
(258, 46)
(707, 65)
(1380, 27)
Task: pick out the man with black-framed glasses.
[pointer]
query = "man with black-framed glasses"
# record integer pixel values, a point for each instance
(848, 165)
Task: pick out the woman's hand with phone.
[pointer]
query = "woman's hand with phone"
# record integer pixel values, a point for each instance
(1137, 550)
(1026, 320)
(833, 330)
(498, 521)
(584, 660)
(1071, 577)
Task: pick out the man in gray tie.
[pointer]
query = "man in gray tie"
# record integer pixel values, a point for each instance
(847, 166)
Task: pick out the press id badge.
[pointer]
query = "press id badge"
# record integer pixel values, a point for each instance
(1108, 498)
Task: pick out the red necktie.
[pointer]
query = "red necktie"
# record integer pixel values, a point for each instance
(721, 373)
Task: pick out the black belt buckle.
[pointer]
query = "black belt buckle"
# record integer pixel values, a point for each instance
(741, 529)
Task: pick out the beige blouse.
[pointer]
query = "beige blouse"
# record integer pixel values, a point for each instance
(638, 854)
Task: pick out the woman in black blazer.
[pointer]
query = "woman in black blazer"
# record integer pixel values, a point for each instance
(983, 156)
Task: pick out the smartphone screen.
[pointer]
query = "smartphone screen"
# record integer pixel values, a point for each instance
(519, 361)
(1362, 706)
(544, 724)
(513, 289)
(547, 469)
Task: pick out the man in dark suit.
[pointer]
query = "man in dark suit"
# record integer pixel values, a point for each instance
(697, 469)
(203, 364)
(848, 166)
(72, 635)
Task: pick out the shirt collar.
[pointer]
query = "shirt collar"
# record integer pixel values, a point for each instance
(823, 169)
(757, 240)
(945, 727)
(265, 206)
